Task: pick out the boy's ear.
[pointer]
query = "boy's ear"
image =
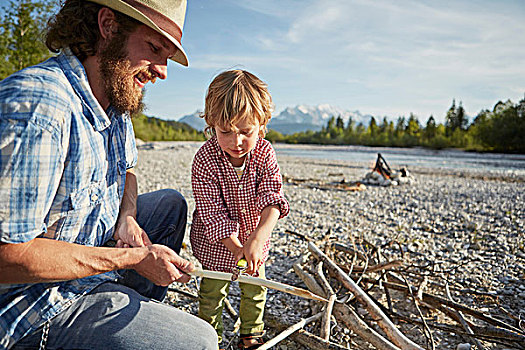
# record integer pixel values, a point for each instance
(262, 130)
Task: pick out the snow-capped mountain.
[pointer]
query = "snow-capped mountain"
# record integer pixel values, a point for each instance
(303, 118)
(294, 119)
(194, 120)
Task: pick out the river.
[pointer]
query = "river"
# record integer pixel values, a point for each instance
(412, 157)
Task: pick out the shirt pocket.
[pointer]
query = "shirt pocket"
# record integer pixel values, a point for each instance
(79, 225)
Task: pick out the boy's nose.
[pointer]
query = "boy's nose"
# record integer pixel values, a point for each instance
(238, 139)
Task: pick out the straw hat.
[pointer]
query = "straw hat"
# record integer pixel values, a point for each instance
(164, 16)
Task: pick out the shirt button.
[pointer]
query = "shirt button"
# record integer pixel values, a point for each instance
(240, 186)
(94, 197)
(243, 211)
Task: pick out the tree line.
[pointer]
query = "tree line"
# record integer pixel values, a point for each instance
(155, 129)
(499, 130)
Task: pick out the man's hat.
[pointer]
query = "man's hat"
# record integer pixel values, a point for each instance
(164, 16)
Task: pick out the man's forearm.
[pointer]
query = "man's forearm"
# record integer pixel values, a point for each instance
(46, 260)
(128, 206)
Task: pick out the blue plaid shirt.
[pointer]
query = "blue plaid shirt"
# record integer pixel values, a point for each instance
(63, 162)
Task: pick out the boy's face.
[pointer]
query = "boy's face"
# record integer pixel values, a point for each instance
(238, 140)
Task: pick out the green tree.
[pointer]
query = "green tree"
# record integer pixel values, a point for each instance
(461, 117)
(373, 128)
(400, 127)
(430, 128)
(21, 29)
(450, 118)
(339, 123)
(456, 118)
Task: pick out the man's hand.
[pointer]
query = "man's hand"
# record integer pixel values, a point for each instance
(128, 233)
(162, 266)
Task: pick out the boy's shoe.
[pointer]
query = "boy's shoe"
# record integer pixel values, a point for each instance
(258, 343)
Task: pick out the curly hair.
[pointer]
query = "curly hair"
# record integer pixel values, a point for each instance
(76, 26)
(237, 95)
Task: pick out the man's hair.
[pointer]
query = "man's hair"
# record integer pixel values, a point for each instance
(76, 26)
(237, 95)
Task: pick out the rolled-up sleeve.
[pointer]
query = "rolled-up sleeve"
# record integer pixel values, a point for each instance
(31, 164)
(270, 191)
(131, 145)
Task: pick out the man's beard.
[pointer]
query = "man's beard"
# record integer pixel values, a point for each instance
(118, 77)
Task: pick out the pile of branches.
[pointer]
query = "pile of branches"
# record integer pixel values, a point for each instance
(366, 292)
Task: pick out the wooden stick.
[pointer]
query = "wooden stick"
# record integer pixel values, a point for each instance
(434, 299)
(302, 336)
(426, 329)
(327, 314)
(289, 330)
(463, 322)
(347, 249)
(386, 325)
(183, 292)
(345, 314)
(490, 333)
(230, 308)
(309, 280)
(225, 276)
(388, 265)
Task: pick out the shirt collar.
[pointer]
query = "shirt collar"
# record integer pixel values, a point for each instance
(76, 74)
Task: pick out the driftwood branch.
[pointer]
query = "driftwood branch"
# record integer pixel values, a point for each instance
(388, 265)
(346, 315)
(436, 300)
(183, 292)
(274, 341)
(225, 276)
(308, 280)
(464, 324)
(377, 315)
(327, 315)
(427, 331)
(302, 336)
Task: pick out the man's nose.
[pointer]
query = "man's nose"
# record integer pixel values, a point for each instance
(160, 70)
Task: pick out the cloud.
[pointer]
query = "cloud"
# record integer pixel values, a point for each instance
(219, 62)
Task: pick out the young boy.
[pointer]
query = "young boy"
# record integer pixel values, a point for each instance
(238, 194)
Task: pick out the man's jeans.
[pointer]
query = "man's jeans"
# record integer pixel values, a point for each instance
(117, 316)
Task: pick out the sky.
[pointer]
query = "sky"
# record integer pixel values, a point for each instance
(382, 57)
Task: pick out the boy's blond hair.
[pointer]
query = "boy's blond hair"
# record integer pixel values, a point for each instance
(237, 95)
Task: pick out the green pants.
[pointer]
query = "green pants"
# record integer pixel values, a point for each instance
(253, 298)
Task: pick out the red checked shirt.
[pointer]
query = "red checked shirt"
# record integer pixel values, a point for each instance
(228, 206)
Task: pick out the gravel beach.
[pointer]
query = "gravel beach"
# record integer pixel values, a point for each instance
(469, 227)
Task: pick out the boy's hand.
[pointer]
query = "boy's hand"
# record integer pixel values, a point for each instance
(254, 246)
(234, 245)
(253, 253)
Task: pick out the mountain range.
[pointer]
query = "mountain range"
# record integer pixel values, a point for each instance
(295, 119)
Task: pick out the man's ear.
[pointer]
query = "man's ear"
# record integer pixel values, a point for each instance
(107, 24)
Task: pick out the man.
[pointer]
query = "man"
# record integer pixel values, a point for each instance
(68, 190)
